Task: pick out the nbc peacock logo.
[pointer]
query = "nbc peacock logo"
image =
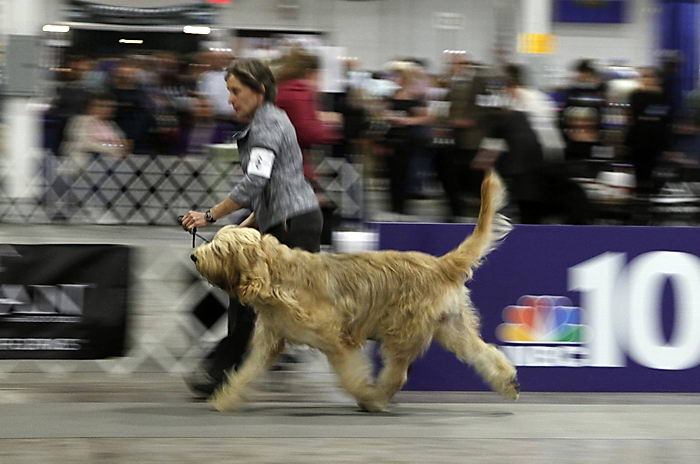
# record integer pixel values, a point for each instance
(546, 331)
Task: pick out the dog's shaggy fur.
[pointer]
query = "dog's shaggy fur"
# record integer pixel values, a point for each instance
(335, 302)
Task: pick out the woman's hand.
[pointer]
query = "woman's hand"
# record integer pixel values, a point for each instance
(194, 219)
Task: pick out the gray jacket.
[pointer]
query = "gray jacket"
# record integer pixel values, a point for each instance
(273, 184)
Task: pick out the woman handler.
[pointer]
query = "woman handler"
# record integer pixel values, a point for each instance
(273, 188)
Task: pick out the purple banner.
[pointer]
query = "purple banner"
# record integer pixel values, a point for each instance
(589, 11)
(576, 308)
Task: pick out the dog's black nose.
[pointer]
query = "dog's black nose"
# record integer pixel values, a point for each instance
(193, 258)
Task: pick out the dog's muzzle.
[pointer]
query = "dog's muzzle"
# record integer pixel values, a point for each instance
(193, 258)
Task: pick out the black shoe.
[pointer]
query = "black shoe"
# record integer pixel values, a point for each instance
(202, 384)
(283, 362)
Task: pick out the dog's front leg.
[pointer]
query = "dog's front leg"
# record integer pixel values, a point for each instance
(265, 347)
(354, 372)
(395, 371)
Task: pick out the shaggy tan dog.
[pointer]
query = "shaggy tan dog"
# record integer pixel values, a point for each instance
(335, 302)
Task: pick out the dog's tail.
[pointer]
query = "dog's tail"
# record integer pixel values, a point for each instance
(491, 227)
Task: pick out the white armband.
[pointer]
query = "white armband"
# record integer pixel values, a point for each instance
(261, 161)
(493, 144)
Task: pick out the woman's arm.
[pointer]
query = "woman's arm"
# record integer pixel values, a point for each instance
(198, 219)
(249, 221)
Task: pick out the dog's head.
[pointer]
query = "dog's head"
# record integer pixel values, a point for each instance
(236, 262)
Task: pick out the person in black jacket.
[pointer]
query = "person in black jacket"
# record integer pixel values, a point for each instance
(582, 115)
(512, 147)
(648, 132)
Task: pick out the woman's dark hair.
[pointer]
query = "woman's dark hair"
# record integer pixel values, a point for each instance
(254, 74)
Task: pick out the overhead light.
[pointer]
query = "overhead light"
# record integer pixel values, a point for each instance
(196, 30)
(130, 41)
(55, 28)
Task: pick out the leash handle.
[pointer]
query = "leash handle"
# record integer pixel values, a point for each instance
(193, 232)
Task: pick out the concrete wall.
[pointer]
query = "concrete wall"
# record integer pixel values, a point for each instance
(633, 43)
(379, 30)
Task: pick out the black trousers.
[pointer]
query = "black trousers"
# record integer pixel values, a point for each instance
(450, 169)
(453, 167)
(303, 231)
(399, 163)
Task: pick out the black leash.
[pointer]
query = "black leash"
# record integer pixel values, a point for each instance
(193, 232)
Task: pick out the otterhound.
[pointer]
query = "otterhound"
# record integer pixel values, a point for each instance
(335, 302)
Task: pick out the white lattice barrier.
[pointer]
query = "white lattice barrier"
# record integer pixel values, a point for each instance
(342, 183)
(135, 190)
(164, 334)
(146, 190)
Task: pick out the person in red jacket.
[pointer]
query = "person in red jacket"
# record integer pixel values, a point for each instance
(297, 94)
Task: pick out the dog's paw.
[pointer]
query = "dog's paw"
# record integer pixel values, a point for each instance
(223, 404)
(511, 389)
(373, 406)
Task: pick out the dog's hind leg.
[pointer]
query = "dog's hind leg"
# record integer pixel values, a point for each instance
(459, 334)
(354, 371)
(264, 350)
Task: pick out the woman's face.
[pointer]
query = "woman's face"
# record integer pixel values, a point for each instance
(245, 101)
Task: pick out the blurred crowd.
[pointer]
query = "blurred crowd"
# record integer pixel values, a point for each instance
(611, 137)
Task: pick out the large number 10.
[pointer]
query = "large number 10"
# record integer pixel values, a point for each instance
(622, 307)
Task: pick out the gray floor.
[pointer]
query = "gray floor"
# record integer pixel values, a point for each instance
(91, 418)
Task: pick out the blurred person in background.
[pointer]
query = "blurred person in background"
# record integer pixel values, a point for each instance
(96, 79)
(94, 133)
(421, 163)
(442, 146)
(212, 84)
(687, 129)
(297, 94)
(72, 95)
(199, 129)
(649, 128)
(88, 136)
(465, 83)
(407, 114)
(513, 148)
(73, 92)
(670, 79)
(582, 114)
(539, 107)
(350, 105)
(273, 188)
(134, 108)
(545, 184)
(170, 102)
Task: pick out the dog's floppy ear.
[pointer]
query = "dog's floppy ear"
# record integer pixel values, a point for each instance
(254, 281)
